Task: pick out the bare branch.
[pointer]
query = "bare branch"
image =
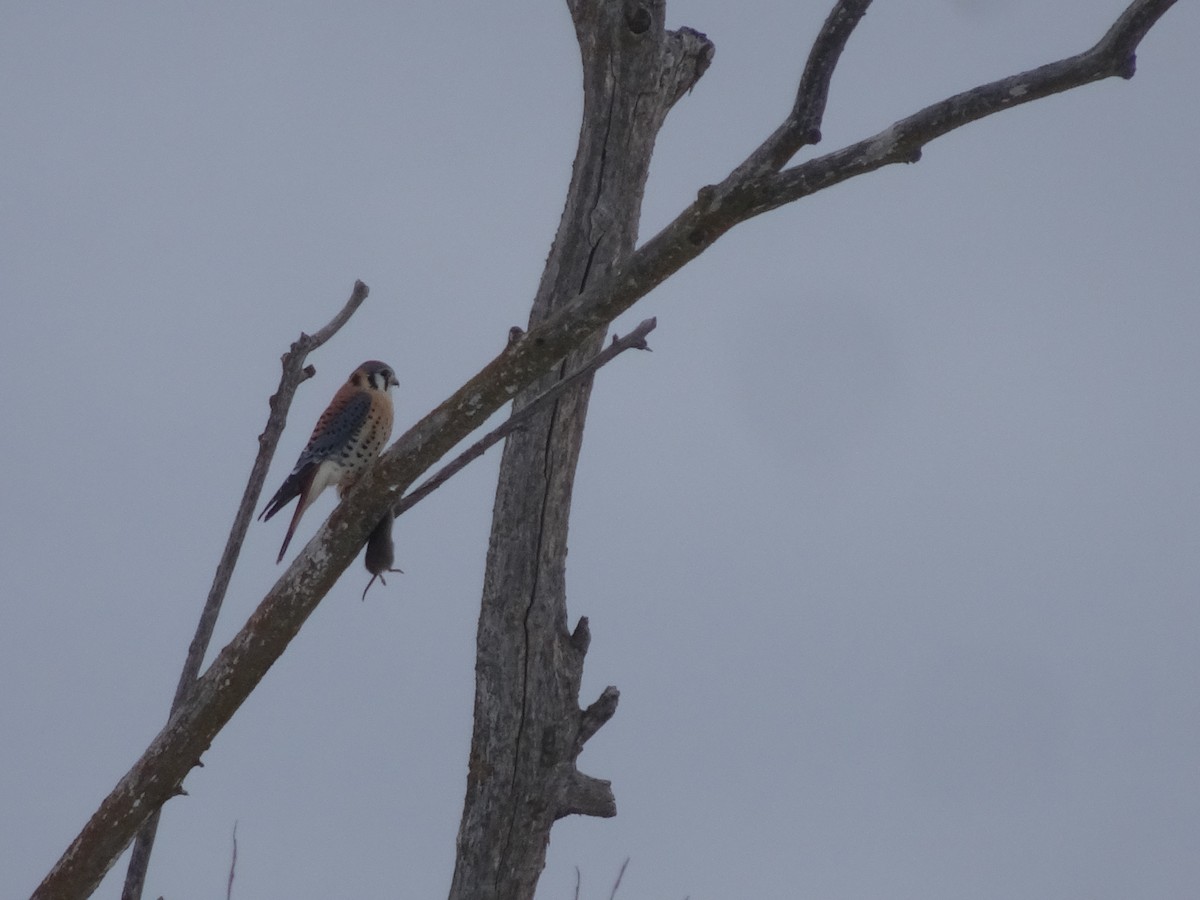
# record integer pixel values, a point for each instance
(232, 866)
(1113, 55)
(803, 126)
(635, 340)
(597, 714)
(718, 208)
(617, 883)
(294, 373)
(357, 296)
(809, 108)
(1129, 29)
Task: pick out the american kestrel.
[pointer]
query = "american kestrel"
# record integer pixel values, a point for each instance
(348, 437)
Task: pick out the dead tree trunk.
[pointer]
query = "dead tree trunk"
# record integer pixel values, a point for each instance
(529, 727)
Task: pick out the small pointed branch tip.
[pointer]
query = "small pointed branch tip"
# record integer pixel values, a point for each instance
(357, 296)
(581, 637)
(597, 714)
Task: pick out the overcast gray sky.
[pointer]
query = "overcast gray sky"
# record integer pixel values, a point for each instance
(891, 545)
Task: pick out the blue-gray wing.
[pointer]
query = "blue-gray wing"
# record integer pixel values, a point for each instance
(342, 419)
(336, 427)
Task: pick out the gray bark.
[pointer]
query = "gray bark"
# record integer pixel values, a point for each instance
(529, 727)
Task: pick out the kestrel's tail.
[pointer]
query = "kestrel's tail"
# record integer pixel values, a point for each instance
(296, 485)
(289, 489)
(287, 538)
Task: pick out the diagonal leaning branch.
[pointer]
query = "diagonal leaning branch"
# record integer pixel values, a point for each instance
(635, 340)
(747, 192)
(762, 184)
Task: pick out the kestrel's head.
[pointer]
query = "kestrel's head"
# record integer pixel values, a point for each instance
(374, 374)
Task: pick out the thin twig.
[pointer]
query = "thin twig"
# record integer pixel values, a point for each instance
(635, 340)
(232, 865)
(803, 126)
(357, 296)
(617, 883)
(295, 372)
(1114, 55)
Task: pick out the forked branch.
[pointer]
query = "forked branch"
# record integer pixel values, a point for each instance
(635, 340)
(802, 127)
